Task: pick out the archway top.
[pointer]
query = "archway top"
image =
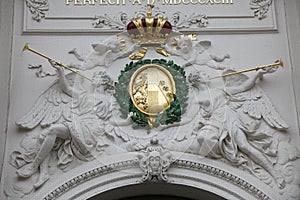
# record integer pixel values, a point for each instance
(115, 173)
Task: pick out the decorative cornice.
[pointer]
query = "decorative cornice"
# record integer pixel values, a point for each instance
(184, 164)
(91, 174)
(37, 8)
(182, 21)
(216, 172)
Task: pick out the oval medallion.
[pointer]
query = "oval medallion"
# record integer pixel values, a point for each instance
(152, 89)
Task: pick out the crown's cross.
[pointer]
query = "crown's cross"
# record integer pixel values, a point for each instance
(149, 7)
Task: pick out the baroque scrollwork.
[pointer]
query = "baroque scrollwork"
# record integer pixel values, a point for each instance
(37, 8)
(42, 71)
(180, 20)
(119, 22)
(260, 7)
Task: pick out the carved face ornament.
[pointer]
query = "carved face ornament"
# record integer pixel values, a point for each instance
(154, 161)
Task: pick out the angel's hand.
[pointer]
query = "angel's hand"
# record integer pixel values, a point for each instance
(55, 65)
(129, 116)
(272, 69)
(267, 70)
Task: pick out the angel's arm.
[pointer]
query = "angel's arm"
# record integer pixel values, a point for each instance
(125, 122)
(249, 83)
(171, 51)
(131, 49)
(62, 80)
(219, 59)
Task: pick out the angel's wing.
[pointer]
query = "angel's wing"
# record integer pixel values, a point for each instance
(257, 105)
(53, 105)
(205, 44)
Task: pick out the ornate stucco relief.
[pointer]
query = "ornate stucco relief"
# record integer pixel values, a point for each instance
(260, 8)
(178, 20)
(116, 21)
(75, 121)
(38, 8)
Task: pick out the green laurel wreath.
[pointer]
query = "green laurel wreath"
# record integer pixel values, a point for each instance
(170, 115)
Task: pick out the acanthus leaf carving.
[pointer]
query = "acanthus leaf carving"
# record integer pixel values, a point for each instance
(180, 20)
(260, 7)
(37, 8)
(119, 22)
(42, 71)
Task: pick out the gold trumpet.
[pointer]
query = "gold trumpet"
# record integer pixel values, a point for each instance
(26, 47)
(277, 63)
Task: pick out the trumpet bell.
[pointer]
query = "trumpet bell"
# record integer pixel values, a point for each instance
(280, 63)
(26, 47)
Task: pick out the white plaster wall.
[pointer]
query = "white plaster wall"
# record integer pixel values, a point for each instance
(293, 27)
(6, 25)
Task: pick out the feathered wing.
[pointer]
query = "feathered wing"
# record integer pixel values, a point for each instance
(53, 105)
(257, 105)
(204, 44)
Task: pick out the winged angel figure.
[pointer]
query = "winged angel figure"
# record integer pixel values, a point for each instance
(237, 122)
(75, 121)
(103, 54)
(197, 54)
(244, 133)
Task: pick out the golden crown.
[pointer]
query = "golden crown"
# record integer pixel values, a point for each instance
(149, 30)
